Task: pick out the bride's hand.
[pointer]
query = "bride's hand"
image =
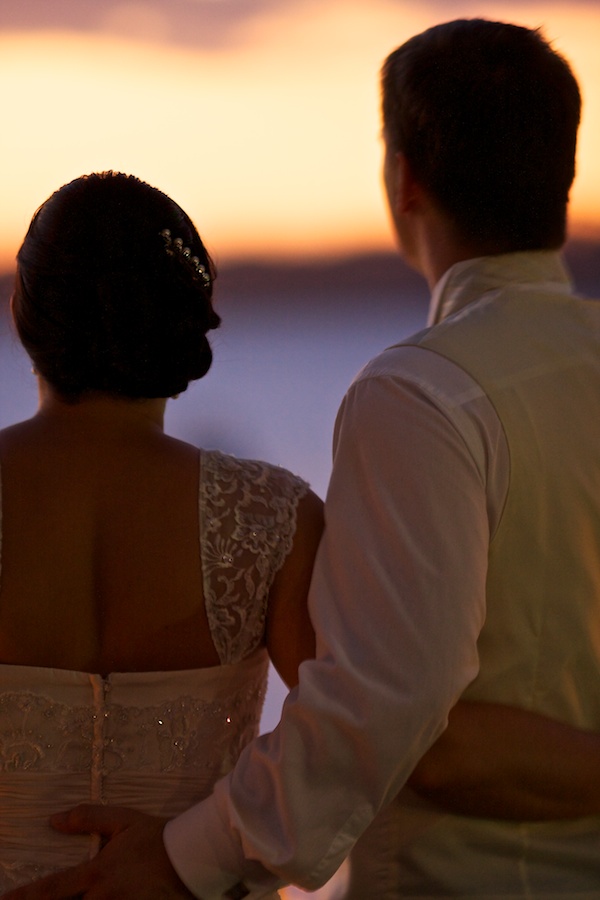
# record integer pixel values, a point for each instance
(133, 862)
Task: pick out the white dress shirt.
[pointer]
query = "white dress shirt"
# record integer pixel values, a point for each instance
(397, 603)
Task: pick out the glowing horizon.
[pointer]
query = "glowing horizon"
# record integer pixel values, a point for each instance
(270, 144)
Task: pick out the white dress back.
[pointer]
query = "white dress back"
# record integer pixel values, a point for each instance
(154, 741)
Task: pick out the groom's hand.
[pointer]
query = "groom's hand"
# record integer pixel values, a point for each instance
(133, 862)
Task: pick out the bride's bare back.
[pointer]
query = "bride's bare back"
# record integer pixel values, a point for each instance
(101, 568)
(100, 523)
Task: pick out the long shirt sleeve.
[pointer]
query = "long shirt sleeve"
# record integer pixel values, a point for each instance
(397, 601)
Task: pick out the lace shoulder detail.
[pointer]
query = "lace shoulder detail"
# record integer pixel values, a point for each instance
(247, 525)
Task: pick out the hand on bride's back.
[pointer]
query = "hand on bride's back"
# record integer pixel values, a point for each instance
(132, 863)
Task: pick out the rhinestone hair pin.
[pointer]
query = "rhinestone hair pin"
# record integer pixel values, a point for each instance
(175, 245)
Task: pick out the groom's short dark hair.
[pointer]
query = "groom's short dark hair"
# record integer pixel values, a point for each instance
(487, 114)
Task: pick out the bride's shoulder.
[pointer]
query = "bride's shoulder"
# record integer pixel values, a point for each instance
(251, 476)
(19, 440)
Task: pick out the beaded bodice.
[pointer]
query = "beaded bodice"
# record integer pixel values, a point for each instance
(155, 741)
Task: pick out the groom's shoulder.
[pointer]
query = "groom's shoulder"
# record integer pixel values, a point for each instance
(396, 360)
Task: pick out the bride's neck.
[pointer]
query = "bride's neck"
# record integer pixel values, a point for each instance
(99, 410)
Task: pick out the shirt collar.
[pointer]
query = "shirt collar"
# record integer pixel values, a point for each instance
(468, 280)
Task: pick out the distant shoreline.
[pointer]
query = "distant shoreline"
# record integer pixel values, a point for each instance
(355, 276)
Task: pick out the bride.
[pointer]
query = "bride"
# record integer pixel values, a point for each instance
(144, 582)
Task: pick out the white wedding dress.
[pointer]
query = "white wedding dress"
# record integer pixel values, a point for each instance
(155, 741)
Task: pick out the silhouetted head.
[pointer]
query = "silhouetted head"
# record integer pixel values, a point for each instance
(486, 114)
(113, 291)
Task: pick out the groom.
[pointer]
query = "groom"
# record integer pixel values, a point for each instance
(461, 527)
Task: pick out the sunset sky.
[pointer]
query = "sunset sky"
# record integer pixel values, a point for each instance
(260, 117)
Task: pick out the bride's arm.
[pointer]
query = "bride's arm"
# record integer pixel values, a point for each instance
(290, 635)
(502, 762)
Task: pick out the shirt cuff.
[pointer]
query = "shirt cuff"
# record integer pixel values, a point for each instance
(209, 860)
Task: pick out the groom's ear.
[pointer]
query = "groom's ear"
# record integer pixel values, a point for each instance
(409, 193)
(405, 194)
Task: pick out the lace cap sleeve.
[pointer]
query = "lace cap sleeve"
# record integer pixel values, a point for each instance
(247, 525)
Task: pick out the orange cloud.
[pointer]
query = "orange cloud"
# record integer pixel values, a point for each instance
(271, 145)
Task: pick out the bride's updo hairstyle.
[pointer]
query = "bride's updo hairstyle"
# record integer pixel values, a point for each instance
(113, 291)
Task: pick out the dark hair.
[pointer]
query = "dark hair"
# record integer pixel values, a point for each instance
(487, 114)
(99, 303)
